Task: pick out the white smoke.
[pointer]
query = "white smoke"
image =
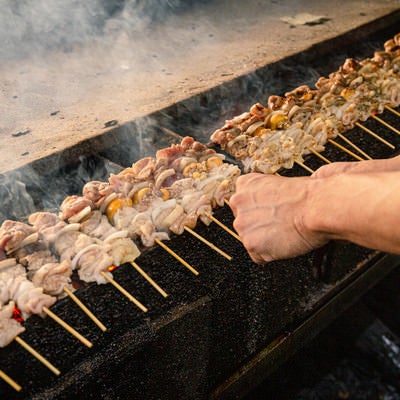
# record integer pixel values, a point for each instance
(35, 26)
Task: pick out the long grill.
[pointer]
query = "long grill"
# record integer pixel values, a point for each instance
(213, 333)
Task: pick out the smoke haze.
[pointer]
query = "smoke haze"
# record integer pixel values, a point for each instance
(29, 27)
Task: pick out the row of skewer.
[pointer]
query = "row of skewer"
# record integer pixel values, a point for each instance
(362, 155)
(81, 338)
(357, 154)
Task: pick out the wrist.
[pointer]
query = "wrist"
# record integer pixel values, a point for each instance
(322, 216)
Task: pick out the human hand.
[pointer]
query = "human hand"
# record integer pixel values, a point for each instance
(269, 214)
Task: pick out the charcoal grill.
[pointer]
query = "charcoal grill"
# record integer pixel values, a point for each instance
(216, 335)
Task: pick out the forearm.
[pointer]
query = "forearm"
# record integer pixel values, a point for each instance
(361, 208)
(366, 166)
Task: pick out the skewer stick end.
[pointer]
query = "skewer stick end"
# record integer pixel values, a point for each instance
(85, 309)
(124, 292)
(149, 279)
(10, 381)
(37, 355)
(68, 328)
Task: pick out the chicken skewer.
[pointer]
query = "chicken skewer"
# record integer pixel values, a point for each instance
(190, 178)
(29, 299)
(265, 139)
(43, 268)
(139, 201)
(92, 258)
(95, 224)
(84, 253)
(142, 221)
(209, 216)
(10, 328)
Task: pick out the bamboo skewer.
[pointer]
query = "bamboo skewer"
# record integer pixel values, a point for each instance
(85, 309)
(308, 169)
(209, 244)
(392, 128)
(319, 155)
(148, 278)
(223, 226)
(354, 146)
(10, 381)
(392, 110)
(172, 133)
(67, 327)
(124, 292)
(345, 150)
(37, 355)
(372, 133)
(173, 254)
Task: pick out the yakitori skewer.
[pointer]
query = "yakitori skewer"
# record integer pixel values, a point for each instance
(265, 139)
(375, 135)
(15, 278)
(149, 279)
(392, 110)
(124, 292)
(45, 258)
(82, 306)
(10, 381)
(91, 244)
(11, 328)
(211, 217)
(67, 327)
(338, 145)
(37, 355)
(113, 231)
(164, 246)
(85, 309)
(384, 123)
(144, 203)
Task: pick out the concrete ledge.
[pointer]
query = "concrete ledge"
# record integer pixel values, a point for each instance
(55, 100)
